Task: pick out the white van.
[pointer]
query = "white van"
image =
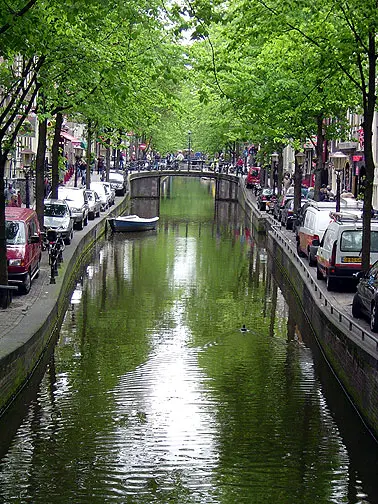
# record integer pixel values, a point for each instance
(314, 221)
(339, 252)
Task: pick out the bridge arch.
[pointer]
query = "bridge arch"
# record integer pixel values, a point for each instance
(146, 184)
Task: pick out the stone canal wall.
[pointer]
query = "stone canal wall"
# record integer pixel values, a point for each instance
(350, 350)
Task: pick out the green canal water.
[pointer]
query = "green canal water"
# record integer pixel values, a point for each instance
(154, 395)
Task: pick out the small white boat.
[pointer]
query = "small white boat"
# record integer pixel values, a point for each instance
(132, 223)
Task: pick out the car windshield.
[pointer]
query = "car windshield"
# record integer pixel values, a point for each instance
(351, 241)
(15, 233)
(53, 210)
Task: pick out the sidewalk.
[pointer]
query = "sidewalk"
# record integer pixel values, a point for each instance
(11, 317)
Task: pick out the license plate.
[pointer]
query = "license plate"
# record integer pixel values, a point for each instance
(351, 259)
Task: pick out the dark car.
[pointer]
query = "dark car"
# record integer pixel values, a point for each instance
(365, 301)
(279, 206)
(264, 196)
(287, 214)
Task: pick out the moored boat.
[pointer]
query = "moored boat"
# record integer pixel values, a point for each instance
(132, 223)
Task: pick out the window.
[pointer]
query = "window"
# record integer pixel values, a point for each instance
(351, 241)
(52, 210)
(374, 241)
(15, 233)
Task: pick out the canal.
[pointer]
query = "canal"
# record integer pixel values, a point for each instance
(153, 394)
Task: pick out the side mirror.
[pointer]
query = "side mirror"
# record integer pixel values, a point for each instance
(315, 243)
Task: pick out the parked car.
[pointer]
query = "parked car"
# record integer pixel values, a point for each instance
(287, 214)
(102, 193)
(94, 204)
(339, 252)
(117, 182)
(280, 204)
(365, 300)
(253, 177)
(24, 247)
(77, 201)
(110, 192)
(262, 198)
(314, 220)
(57, 216)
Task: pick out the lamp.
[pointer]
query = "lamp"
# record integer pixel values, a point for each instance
(274, 158)
(189, 148)
(300, 157)
(339, 161)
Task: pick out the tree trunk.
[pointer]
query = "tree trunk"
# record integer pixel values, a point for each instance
(107, 160)
(297, 185)
(369, 107)
(89, 143)
(40, 170)
(279, 172)
(3, 243)
(55, 155)
(319, 157)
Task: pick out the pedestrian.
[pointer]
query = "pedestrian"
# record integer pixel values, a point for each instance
(8, 193)
(13, 201)
(286, 182)
(121, 160)
(239, 165)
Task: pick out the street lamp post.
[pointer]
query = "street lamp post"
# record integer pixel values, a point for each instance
(300, 158)
(27, 172)
(189, 148)
(339, 161)
(275, 158)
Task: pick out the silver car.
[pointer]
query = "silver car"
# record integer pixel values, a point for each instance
(94, 204)
(57, 216)
(78, 202)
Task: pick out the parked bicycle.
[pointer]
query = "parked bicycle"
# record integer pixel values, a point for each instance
(53, 242)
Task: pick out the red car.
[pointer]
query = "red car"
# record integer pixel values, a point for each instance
(24, 246)
(253, 177)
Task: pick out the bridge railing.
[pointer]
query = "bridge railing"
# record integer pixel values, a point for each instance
(194, 165)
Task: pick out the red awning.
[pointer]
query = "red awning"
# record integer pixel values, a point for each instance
(70, 138)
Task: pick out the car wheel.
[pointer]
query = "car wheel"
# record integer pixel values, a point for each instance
(289, 225)
(299, 251)
(331, 283)
(356, 307)
(319, 275)
(91, 215)
(374, 318)
(24, 288)
(85, 220)
(68, 238)
(80, 225)
(98, 213)
(311, 260)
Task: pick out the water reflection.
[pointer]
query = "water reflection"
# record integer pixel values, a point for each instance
(154, 395)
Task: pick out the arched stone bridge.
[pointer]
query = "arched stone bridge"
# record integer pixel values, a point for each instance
(146, 184)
